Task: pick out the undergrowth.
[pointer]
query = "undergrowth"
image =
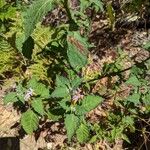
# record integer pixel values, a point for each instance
(58, 78)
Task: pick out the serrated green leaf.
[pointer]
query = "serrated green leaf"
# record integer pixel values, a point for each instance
(38, 88)
(88, 103)
(10, 97)
(76, 59)
(20, 90)
(134, 98)
(133, 80)
(41, 90)
(34, 14)
(29, 121)
(55, 113)
(20, 38)
(83, 133)
(71, 124)
(77, 51)
(32, 83)
(64, 103)
(60, 92)
(76, 82)
(62, 81)
(37, 105)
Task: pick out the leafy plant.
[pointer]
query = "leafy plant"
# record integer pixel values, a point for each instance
(54, 59)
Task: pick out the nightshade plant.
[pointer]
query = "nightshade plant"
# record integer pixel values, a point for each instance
(67, 43)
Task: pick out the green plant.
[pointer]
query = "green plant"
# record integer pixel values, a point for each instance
(67, 48)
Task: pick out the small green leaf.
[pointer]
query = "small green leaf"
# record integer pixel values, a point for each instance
(38, 88)
(88, 103)
(37, 105)
(71, 124)
(20, 90)
(62, 81)
(134, 98)
(29, 121)
(133, 80)
(83, 133)
(124, 137)
(32, 83)
(60, 92)
(76, 82)
(41, 90)
(10, 97)
(65, 103)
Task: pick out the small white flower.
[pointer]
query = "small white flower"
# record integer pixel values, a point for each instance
(28, 94)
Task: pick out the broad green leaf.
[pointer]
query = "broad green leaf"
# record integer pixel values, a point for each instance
(34, 14)
(32, 83)
(134, 98)
(55, 113)
(60, 92)
(133, 80)
(38, 88)
(29, 121)
(77, 51)
(76, 59)
(37, 105)
(62, 81)
(20, 90)
(20, 38)
(71, 124)
(64, 103)
(41, 90)
(83, 133)
(76, 82)
(88, 103)
(10, 97)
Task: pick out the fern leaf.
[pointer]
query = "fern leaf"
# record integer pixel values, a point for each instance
(29, 121)
(34, 14)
